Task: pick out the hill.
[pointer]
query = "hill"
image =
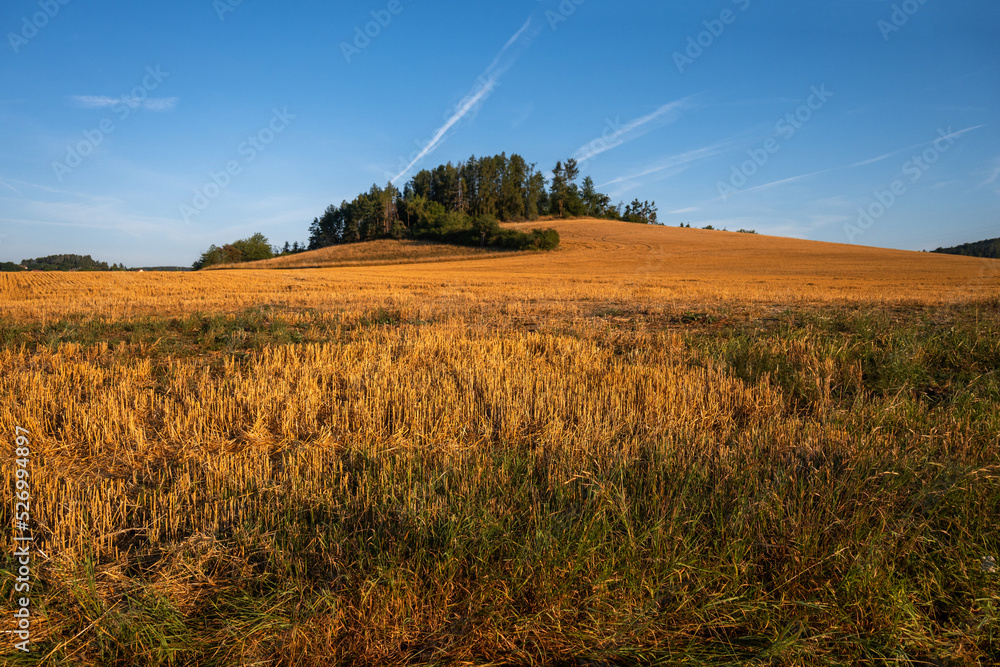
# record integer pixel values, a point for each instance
(370, 253)
(989, 248)
(599, 265)
(607, 248)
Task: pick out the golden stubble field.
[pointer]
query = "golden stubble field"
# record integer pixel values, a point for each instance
(599, 262)
(652, 444)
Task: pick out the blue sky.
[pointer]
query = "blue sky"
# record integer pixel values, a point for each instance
(142, 132)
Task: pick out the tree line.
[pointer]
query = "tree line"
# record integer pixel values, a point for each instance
(990, 248)
(65, 262)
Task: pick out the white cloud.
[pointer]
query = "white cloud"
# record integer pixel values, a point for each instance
(94, 101)
(103, 102)
(160, 103)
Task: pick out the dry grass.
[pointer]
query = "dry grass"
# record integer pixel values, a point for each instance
(515, 460)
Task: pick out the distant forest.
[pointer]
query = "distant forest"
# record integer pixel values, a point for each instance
(465, 203)
(66, 262)
(989, 248)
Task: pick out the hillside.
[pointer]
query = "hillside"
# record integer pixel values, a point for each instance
(382, 252)
(722, 262)
(599, 265)
(668, 444)
(608, 248)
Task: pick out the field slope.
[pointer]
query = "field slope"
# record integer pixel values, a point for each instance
(599, 263)
(370, 253)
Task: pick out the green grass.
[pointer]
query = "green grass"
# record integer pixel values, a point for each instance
(664, 557)
(161, 338)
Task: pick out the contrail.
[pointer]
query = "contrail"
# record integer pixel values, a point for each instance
(862, 163)
(674, 161)
(8, 185)
(488, 81)
(598, 146)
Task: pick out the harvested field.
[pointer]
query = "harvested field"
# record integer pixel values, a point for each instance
(651, 446)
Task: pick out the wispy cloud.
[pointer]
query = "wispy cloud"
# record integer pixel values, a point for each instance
(996, 173)
(956, 135)
(874, 159)
(510, 42)
(522, 116)
(487, 83)
(95, 101)
(96, 213)
(784, 181)
(671, 162)
(159, 104)
(838, 201)
(634, 129)
(861, 163)
(993, 179)
(9, 186)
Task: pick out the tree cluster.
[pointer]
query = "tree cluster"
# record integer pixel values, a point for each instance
(465, 203)
(644, 212)
(711, 228)
(293, 249)
(250, 249)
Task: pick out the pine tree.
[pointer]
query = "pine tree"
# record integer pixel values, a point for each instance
(557, 196)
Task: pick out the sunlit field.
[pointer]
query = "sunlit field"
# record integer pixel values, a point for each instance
(650, 446)
(599, 264)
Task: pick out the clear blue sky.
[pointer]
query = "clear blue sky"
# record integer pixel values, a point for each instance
(190, 88)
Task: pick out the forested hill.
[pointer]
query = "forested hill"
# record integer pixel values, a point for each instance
(465, 203)
(461, 204)
(989, 248)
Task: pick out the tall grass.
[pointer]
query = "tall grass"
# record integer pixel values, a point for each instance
(401, 487)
